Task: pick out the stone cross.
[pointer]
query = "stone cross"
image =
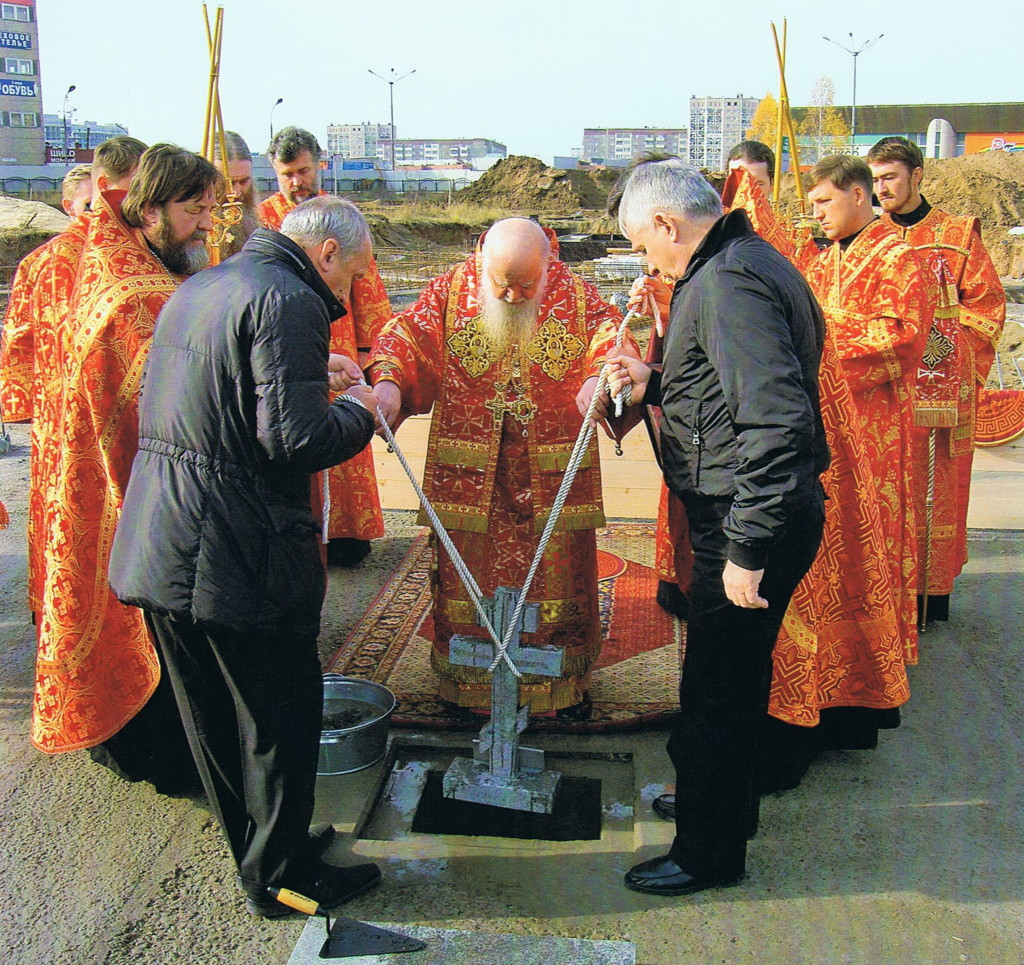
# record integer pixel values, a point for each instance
(503, 773)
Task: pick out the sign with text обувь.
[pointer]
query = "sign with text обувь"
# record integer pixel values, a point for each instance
(18, 88)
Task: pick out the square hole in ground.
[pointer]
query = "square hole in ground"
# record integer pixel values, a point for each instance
(392, 814)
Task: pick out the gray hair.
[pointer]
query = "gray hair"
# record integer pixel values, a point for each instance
(671, 186)
(290, 142)
(236, 147)
(314, 221)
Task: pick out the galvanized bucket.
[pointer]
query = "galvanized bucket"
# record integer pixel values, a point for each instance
(357, 714)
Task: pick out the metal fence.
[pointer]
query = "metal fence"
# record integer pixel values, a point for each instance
(355, 185)
(21, 187)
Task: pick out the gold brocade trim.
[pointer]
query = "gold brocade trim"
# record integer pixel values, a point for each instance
(557, 461)
(543, 696)
(554, 348)
(985, 326)
(468, 521)
(572, 667)
(937, 415)
(473, 349)
(551, 612)
(880, 335)
(801, 634)
(467, 455)
(947, 531)
(571, 518)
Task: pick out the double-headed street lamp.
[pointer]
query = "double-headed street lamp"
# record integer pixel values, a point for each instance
(391, 91)
(856, 52)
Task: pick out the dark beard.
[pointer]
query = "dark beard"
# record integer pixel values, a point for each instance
(180, 257)
(314, 190)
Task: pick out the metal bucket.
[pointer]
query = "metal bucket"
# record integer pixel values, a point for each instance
(355, 730)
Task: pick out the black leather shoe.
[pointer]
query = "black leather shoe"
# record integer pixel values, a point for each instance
(664, 805)
(332, 887)
(346, 551)
(672, 600)
(662, 876)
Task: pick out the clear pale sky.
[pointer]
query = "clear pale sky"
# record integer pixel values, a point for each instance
(528, 73)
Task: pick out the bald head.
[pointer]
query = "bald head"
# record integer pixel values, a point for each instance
(515, 256)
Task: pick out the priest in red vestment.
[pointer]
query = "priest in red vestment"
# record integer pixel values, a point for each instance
(347, 494)
(96, 667)
(500, 347)
(970, 312)
(30, 364)
(35, 330)
(878, 306)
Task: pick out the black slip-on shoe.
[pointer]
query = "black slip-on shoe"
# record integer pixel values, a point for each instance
(664, 805)
(662, 876)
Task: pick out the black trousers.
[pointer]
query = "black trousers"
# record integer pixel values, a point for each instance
(724, 689)
(252, 706)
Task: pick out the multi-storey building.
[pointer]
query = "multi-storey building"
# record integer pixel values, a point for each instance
(356, 140)
(622, 143)
(447, 151)
(21, 101)
(83, 135)
(716, 125)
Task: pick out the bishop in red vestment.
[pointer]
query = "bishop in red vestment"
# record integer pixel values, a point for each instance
(499, 347)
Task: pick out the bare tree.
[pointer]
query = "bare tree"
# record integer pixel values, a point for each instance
(823, 129)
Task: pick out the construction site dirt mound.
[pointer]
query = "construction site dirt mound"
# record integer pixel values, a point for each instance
(25, 225)
(526, 184)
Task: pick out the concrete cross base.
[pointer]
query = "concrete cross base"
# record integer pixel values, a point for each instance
(526, 790)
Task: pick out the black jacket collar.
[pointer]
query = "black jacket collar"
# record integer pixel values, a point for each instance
(723, 232)
(286, 251)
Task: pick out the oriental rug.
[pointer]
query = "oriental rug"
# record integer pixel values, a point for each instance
(1000, 416)
(635, 680)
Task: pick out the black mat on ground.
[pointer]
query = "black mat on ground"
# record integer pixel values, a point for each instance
(576, 815)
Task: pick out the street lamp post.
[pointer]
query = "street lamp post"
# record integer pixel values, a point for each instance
(856, 52)
(65, 112)
(391, 92)
(278, 101)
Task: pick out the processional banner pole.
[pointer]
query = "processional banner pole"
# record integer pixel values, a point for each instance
(229, 212)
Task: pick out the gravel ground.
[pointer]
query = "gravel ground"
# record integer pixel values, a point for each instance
(908, 854)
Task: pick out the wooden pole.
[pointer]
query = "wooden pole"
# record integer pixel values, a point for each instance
(777, 173)
(794, 148)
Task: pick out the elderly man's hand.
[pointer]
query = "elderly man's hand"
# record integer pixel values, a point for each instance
(741, 586)
(342, 372)
(649, 295)
(389, 397)
(624, 368)
(364, 394)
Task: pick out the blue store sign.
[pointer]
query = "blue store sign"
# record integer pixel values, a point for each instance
(8, 38)
(18, 88)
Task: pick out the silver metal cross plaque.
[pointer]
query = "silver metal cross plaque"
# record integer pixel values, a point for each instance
(502, 773)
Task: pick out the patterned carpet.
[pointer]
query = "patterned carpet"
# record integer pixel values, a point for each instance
(636, 678)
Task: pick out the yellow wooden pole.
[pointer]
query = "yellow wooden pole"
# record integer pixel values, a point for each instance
(777, 173)
(794, 148)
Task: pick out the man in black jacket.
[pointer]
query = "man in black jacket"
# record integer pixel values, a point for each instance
(742, 446)
(217, 543)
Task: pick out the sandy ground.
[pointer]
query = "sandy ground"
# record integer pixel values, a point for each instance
(908, 854)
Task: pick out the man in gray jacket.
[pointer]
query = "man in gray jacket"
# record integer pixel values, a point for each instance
(217, 543)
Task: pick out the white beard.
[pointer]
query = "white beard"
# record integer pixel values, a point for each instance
(505, 324)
